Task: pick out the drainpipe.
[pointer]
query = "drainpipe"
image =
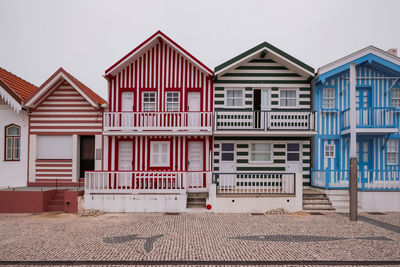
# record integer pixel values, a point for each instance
(353, 140)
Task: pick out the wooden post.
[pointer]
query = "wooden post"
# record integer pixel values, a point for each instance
(353, 189)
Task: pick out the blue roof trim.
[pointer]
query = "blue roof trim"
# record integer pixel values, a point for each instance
(370, 58)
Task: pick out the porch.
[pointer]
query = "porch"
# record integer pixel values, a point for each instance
(368, 180)
(139, 122)
(261, 120)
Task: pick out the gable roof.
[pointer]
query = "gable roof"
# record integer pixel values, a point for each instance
(150, 40)
(259, 48)
(368, 54)
(15, 90)
(93, 98)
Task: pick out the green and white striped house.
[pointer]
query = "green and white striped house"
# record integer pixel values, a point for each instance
(263, 122)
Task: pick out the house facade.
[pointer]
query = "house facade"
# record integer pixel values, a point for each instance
(14, 93)
(357, 99)
(263, 126)
(64, 130)
(157, 133)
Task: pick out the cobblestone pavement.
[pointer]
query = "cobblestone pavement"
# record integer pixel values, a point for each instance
(199, 237)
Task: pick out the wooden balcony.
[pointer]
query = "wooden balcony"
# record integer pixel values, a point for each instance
(248, 122)
(139, 182)
(169, 123)
(370, 120)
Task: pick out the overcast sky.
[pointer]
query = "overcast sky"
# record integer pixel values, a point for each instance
(87, 37)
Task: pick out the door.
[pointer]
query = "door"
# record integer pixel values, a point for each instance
(363, 105)
(293, 158)
(364, 157)
(227, 165)
(126, 108)
(196, 178)
(261, 103)
(194, 118)
(125, 149)
(86, 154)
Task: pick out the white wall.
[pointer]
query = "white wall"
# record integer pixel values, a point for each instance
(13, 173)
(379, 201)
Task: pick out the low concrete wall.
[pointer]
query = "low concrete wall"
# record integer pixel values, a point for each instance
(135, 203)
(25, 201)
(71, 201)
(380, 201)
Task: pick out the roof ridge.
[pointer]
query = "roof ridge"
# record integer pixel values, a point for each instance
(18, 77)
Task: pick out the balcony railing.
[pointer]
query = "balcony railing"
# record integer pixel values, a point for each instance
(367, 179)
(255, 183)
(132, 182)
(171, 121)
(265, 120)
(377, 117)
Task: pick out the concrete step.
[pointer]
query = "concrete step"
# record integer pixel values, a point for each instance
(199, 199)
(315, 198)
(57, 202)
(198, 194)
(55, 208)
(195, 205)
(321, 206)
(316, 202)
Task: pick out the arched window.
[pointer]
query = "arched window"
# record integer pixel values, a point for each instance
(12, 142)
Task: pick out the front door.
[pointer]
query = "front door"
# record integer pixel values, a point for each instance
(227, 165)
(193, 108)
(196, 178)
(364, 154)
(293, 158)
(124, 162)
(86, 154)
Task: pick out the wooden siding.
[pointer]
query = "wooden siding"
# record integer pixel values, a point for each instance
(161, 68)
(53, 169)
(278, 164)
(64, 111)
(258, 73)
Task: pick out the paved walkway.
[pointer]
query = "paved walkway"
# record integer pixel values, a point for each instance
(199, 237)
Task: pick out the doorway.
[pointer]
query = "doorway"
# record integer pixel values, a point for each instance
(87, 144)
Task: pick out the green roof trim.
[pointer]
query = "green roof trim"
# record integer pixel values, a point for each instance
(258, 47)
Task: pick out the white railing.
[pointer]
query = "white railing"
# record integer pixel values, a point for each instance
(375, 117)
(265, 120)
(145, 182)
(174, 121)
(255, 183)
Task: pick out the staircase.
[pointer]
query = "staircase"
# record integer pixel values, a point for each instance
(314, 201)
(196, 200)
(57, 201)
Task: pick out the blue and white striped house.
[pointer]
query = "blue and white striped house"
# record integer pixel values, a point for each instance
(357, 99)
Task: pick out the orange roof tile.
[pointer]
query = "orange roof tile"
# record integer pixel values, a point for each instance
(18, 85)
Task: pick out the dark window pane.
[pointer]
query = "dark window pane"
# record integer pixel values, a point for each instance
(227, 147)
(293, 147)
(227, 156)
(293, 156)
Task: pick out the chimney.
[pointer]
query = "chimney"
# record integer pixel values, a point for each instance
(393, 51)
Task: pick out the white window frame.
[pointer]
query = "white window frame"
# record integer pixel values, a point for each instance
(281, 98)
(15, 144)
(155, 101)
(325, 97)
(242, 98)
(160, 162)
(397, 98)
(251, 152)
(174, 103)
(332, 153)
(390, 151)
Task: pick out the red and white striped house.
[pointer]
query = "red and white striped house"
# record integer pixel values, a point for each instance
(158, 130)
(65, 127)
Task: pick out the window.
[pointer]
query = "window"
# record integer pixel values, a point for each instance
(13, 142)
(149, 101)
(172, 101)
(288, 98)
(329, 151)
(396, 97)
(234, 98)
(260, 152)
(54, 147)
(392, 151)
(293, 152)
(328, 98)
(159, 154)
(228, 152)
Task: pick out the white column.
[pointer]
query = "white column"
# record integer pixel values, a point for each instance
(75, 158)
(32, 157)
(98, 152)
(105, 153)
(353, 121)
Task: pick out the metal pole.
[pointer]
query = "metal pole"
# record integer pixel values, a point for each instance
(353, 189)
